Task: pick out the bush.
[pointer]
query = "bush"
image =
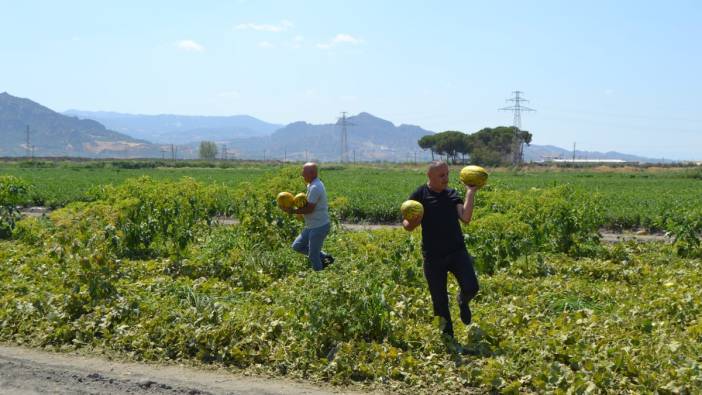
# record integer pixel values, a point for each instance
(686, 228)
(561, 219)
(13, 191)
(496, 240)
(143, 218)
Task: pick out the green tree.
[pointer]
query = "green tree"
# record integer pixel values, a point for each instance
(488, 146)
(208, 150)
(428, 142)
(450, 143)
(495, 146)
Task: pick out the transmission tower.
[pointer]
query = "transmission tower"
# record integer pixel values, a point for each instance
(518, 141)
(28, 147)
(344, 150)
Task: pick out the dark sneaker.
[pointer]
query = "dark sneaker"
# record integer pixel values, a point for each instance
(327, 260)
(466, 315)
(452, 345)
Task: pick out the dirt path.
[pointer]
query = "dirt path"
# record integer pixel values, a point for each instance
(29, 371)
(607, 236)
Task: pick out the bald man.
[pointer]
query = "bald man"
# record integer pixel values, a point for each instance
(317, 223)
(442, 242)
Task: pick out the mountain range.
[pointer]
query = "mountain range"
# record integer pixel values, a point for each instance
(118, 135)
(369, 139)
(53, 134)
(179, 129)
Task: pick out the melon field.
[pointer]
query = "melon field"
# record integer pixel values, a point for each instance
(130, 263)
(630, 197)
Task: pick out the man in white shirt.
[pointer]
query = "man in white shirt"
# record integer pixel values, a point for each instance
(317, 223)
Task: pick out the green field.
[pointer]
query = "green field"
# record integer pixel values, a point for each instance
(137, 270)
(631, 198)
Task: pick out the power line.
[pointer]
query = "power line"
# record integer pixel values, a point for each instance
(344, 150)
(27, 146)
(518, 141)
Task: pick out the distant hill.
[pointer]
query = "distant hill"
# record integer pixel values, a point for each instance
(369, 138)
(538, 153)
(372, 138)
(180, 129)
(54, 134)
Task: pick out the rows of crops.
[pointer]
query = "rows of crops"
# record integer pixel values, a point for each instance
(631, 199)
(138, 270)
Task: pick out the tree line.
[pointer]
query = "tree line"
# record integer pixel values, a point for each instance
(487, 147)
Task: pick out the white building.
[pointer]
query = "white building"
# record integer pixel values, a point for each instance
(576, 160)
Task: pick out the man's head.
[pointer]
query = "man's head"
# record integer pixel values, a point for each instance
(309, 171)
(438, 174)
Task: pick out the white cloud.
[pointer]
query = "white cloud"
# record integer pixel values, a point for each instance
(297, 41)
(189, 45)
(346, 38)
(229, 95)
(341, 38)
(265, 44)
(261, 27)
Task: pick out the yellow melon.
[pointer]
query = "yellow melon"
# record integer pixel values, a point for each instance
(285, 200)
(474, 175)
(411, 209)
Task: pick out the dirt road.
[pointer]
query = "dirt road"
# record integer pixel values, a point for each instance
(29, 371)
(607, 235)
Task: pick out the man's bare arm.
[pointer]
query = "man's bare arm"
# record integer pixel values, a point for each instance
(309, 207)
(465, 210)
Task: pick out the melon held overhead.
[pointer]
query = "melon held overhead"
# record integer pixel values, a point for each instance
(474, 176)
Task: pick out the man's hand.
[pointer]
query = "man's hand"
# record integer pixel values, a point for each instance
(288, 210)
(472, 188)
(411, 223)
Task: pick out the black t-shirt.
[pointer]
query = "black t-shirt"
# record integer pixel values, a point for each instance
(441, 231)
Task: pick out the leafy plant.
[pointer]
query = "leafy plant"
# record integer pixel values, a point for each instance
(13, 191)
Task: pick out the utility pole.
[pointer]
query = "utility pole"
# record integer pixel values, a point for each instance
(574, 152)
(224, 152)
(518, 142)
(344, 157)
(27, 144)
(285, 154)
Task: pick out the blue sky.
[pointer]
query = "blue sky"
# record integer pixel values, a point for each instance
(609, 75)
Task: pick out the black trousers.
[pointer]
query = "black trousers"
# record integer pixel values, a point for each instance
(436, 271)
